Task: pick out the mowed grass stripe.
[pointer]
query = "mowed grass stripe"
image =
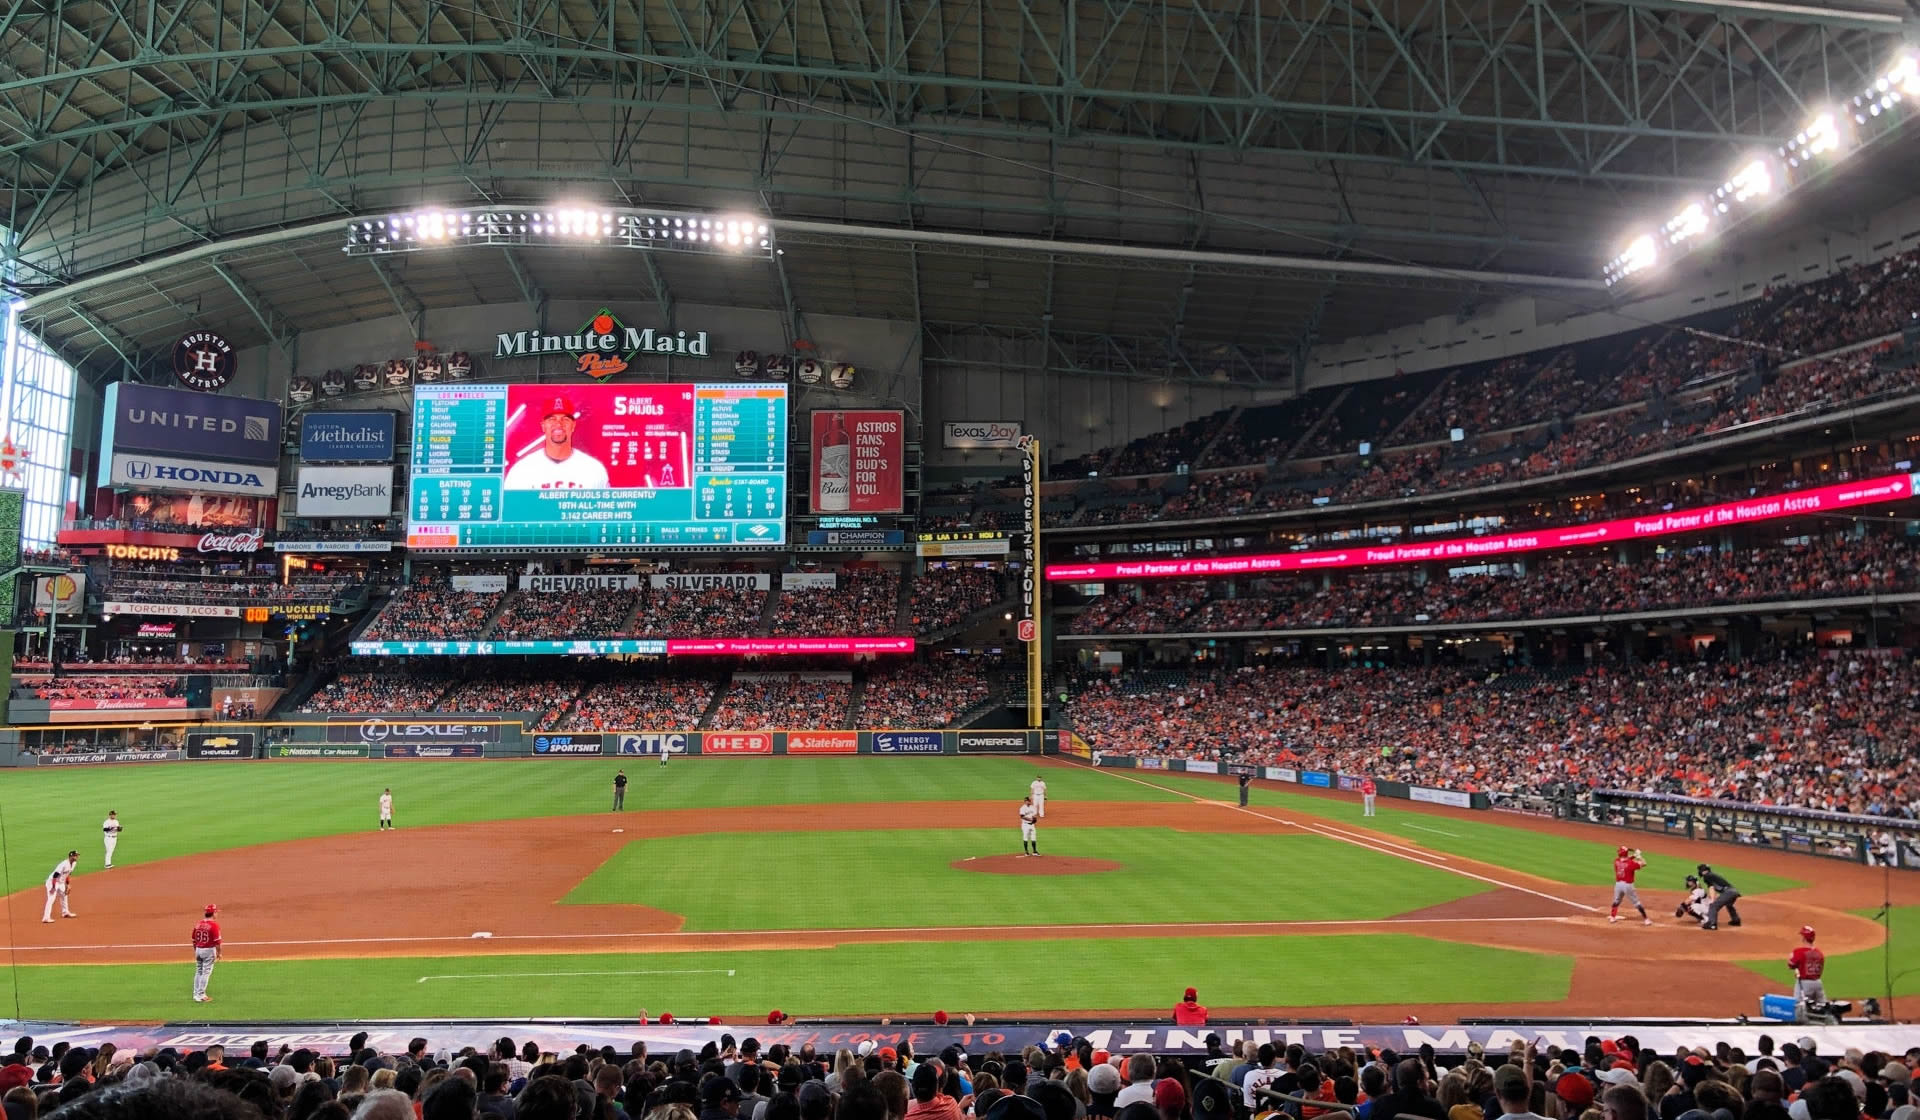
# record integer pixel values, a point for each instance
(1166, 876)
(1563, 859)
(177, 809)
(893, 978)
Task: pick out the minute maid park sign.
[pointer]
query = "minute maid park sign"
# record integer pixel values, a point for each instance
(603, 346)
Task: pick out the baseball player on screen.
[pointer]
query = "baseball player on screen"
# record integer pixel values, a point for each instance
(206, 950)
(1038, 789)
(1029, 832)
(555, 463)
(1626, 864)
(57, 886)
(110, 835)
(1807, 964)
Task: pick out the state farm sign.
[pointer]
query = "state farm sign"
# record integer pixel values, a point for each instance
(823, 742)
(232, 542)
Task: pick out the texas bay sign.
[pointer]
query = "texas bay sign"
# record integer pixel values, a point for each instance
(603, 346)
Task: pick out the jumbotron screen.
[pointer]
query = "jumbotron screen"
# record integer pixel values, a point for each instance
(597, 465)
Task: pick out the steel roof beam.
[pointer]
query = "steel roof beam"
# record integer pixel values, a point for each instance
(279, 330)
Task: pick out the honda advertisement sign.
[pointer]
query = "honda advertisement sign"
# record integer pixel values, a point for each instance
(557, 745)
(906, 742)
(220, 744)
(378, 732)
(346, 437)
(991, 742)
(199, 476)
(344, 492)
(189, 425)
(653, 742)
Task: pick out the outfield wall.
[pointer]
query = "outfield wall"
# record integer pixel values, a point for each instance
(1317, 779)
(474, 735)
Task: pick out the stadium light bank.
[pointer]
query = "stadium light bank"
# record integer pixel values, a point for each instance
(1880, 107)
(571, 227)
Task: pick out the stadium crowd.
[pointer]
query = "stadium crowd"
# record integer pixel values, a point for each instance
(923, 694)
(779, 699)
(1811, 732)
(1603, 1079)
(661, 703)
(575, 614)
(1830, 566)
(948, 595)
(428, 609)
(385, 690)
(95, 687)
(862, 601)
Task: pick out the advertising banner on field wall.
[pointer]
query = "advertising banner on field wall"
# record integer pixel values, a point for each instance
(559, 746)
(736, 742)
(297, 750)
(653, 743)
(91, 758)
(908, 742)
(1117, 1037)
(991, 742)
(823, 742)
(436, 750)
(220, 744)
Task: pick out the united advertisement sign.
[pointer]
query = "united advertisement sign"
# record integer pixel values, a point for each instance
(185, 424)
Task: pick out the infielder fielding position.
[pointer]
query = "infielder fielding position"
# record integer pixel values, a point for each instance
(57, 884)
(1626, 864)
(206, 950)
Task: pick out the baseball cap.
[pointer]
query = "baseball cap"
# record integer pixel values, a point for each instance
(560, 406)
(1895, 1073)
(1192, 995)
(889, 1053)
(1169, 1096)
(1016, 1107)
(1103, 1078)
(1575, 1089)
(865, 1048)
(211, 908)
(1210, 1100)
(720, 1089)
(1618, 1075)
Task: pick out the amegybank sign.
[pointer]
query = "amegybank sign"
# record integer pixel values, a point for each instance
(344, 492)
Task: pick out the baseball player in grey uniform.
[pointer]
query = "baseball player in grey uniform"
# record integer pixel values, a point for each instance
(57, 887)
(110, 835)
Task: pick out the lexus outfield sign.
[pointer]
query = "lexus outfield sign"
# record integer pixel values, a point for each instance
(344, 492)
(408, 733)
(200, 476)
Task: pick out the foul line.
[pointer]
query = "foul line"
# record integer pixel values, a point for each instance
(1384, 847)
(524, 975)
(712, 938)
(1441, 831)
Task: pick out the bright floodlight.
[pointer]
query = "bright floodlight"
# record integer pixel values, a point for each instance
(1752, 181)
(571, 225)
(1687, 224)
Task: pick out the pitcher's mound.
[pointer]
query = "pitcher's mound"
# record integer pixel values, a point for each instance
(1016, 864)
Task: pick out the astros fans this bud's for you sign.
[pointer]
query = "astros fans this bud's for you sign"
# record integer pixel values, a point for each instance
(858, 460)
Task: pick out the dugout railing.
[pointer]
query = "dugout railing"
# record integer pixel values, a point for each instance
(1856, 838)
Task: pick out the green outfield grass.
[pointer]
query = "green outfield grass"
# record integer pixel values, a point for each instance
(1384, 969)
(1563, 859)
(1167, 876)
(1856, 976)
(176, 809)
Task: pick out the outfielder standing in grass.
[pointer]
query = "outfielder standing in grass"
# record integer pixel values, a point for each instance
(1626, 864)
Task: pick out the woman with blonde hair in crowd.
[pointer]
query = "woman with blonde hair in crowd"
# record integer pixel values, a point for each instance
(1456, 1099)
(382, 1079)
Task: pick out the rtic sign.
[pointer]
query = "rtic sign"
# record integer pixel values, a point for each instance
(603, 346)
(232, 542)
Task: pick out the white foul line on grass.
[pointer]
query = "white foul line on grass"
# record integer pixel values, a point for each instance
(1441, 831)
(713, 938)
(1384, 847)
(525, 975)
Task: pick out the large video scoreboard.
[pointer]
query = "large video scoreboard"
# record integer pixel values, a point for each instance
(594, 466)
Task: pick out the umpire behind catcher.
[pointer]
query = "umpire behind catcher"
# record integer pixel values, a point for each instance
(1724, 897)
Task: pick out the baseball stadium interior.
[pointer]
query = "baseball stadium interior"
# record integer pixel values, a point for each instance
(547, 551)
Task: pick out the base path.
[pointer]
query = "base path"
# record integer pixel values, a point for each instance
(329, 898)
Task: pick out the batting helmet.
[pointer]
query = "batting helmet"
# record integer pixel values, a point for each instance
(1693, 880)
(1622, 851)
(1806, 934)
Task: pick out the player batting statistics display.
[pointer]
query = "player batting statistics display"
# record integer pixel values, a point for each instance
(597, 465)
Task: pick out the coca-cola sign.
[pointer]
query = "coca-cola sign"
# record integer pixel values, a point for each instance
(249, 541)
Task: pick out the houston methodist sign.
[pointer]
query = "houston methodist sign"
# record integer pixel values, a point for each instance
(1825, 499)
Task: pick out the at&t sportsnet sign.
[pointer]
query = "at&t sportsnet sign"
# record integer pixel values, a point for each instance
(556, 745)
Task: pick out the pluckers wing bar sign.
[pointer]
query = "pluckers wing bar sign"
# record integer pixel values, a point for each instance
(603, 346)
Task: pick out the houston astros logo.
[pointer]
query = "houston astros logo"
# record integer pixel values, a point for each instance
(203, 360)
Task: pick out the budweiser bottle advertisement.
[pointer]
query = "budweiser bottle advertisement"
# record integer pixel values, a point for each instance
(835, 457)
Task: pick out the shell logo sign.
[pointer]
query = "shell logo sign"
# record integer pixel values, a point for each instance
(64, 593)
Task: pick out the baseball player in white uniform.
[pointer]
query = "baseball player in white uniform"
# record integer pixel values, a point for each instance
(110, 835)
(386, 809)
(1029, 831)
(1039, 788)
(57, 887)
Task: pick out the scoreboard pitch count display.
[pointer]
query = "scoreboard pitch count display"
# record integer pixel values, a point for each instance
(593, 466)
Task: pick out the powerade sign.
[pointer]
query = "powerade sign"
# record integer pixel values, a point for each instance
(566, 744)
(652, 743)
(346, 437)
(906, 742)
(180, 422)
(991, 742)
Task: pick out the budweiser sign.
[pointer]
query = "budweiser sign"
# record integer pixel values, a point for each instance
(234, 542)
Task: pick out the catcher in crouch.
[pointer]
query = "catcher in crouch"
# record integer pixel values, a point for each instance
(1695, 905)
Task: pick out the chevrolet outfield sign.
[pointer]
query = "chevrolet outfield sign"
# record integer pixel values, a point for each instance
(603, 346)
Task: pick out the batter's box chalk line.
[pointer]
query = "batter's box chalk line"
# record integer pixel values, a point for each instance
(531, 975)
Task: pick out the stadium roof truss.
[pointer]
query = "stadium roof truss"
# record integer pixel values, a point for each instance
(1161, 176)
